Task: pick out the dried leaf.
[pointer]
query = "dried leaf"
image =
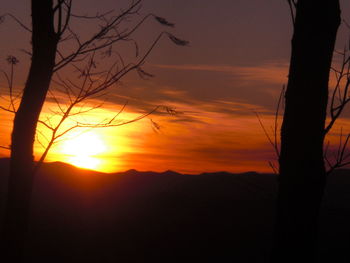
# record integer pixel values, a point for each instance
(143, 74)
(178, 41)
(170, 111)
(163, 21)
(155, 126)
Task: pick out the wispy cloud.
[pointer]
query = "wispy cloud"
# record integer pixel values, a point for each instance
(276, 73)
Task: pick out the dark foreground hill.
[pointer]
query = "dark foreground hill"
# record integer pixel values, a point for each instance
(85, 216)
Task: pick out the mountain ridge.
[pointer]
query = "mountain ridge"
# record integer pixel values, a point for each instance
(4, 163)
(137, 216)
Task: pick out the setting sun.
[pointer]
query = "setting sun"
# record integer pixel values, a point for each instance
(83, 149)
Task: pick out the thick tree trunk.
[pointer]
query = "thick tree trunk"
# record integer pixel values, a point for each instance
(44, 44)
(302, 172)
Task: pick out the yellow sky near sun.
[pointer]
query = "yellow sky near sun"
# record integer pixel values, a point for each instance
(201, 143)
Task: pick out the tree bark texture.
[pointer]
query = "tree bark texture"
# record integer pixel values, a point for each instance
(44, 46)
(302, 176)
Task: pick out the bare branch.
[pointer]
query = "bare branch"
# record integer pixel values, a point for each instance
(339, 99)
(276, 144)
(92, 77)
(5, 147)
(19, 22)
(265, 132)
(292, 5)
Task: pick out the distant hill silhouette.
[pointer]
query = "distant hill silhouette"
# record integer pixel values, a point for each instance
(85, 216)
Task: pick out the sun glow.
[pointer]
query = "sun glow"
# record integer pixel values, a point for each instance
(83, 150)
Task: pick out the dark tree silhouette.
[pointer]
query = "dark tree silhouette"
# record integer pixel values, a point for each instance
(302, 170)
(50, 28)
(44, 47)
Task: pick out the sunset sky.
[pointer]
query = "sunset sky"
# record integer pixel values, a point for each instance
(235, 65)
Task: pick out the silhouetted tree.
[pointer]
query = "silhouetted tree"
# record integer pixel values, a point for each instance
(302, 171)
(50, 28)
(44, 47)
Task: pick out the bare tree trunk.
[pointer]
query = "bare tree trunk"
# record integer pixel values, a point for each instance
(302, 172)
(44, 44)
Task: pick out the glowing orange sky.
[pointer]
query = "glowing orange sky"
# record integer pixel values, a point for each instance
(236, 65)
(197, 139)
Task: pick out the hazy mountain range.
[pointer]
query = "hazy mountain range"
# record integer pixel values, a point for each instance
(85, 216)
